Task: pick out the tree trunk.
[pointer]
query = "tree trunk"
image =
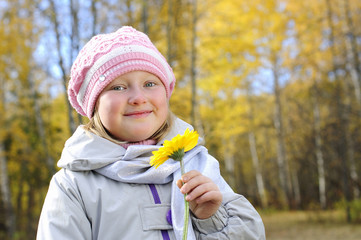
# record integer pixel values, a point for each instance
(350, 144)
(31, 225)
(75, 38)
(257, 169)
(353, 173)
(318, 145)
(352, 51)
(284, 174)
(193, 63)
(55, 22)
(6, 194)
(95, 16)
(74, 8)
(296, 187)
(254, 154)
(10, 217)
(145, 16)
(229, 162)
(19, 206)
(353, 66)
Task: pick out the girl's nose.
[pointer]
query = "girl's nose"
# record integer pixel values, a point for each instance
(137, 97)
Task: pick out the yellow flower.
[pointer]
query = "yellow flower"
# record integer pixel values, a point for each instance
(175, 148)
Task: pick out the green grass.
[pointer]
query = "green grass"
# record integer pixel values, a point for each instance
(310, 225)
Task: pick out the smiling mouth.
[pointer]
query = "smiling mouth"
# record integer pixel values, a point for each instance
(138, 114)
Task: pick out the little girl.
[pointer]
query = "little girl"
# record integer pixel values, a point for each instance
(106, 188)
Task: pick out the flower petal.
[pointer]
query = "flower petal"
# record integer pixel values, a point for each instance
(187, 142)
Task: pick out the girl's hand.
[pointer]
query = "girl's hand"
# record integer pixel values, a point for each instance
(203, 194)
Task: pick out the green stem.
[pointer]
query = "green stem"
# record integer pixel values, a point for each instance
(186, 217)
(186, 207)
(182, 166)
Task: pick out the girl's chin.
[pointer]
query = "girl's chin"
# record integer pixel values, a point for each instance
(135, 137)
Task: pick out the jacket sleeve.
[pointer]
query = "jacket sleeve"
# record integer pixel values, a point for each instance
(63, 216)
(235, 219)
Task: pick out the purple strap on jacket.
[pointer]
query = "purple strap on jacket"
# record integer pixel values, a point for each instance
(169, 217)
(156, 198)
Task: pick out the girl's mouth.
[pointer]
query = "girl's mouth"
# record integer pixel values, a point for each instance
(138, 114)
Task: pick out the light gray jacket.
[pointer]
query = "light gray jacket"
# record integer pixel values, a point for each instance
(84, 203)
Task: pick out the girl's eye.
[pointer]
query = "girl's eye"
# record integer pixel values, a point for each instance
(118, 88)
(150, 84)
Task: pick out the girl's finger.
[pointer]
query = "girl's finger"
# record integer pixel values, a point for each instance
(200, 190)
(194, 182)
(189, 175)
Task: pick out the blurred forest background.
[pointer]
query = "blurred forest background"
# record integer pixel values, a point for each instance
(273, 85)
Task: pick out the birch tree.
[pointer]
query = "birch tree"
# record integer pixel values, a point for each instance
(61, 62)
(254, 154)
(283, 167)
(10, 219)
(353, 61)
(4, 183)
(318, 149)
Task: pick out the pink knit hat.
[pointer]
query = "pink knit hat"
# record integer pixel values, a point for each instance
(106, 57)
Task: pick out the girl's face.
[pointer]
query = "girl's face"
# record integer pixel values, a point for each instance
(133, 106)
